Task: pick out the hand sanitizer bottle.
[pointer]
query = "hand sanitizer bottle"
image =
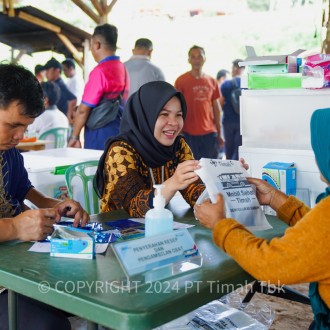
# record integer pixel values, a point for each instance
(158, 220)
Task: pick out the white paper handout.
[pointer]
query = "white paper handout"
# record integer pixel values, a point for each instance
(229, 178)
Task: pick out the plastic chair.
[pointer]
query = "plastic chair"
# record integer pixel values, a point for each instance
(59, 136)
(79, 180)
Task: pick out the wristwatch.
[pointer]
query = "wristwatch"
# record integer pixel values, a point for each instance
(74, 137)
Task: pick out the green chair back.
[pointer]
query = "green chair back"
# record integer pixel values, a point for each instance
(79, 180)
(59, 135)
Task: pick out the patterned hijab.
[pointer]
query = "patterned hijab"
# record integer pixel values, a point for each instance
(138, 124)
(320, 140)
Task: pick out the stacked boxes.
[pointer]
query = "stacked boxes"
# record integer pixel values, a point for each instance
(268, 68)
(274, 80)
(269, 72)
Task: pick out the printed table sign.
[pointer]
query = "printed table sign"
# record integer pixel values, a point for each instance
(145, 254)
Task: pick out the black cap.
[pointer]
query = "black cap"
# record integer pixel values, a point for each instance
(222, 73)
(38, 68)
(53, 63)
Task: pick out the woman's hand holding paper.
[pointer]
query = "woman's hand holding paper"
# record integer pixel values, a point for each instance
(184, 174)
(244, 165)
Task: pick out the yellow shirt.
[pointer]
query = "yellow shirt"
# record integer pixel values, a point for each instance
(302, 255)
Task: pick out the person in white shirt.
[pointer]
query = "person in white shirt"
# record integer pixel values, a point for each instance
(75, 82)
(52, 117)
(139, 67)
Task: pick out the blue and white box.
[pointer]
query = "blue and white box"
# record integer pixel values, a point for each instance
(282, 176)
(70, 242)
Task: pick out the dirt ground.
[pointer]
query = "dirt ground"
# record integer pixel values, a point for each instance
(289, 315)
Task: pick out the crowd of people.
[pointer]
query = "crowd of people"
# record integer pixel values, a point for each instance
(157, 135)
(211, 126)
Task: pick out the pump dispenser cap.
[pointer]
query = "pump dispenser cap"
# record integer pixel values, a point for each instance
(159, 200)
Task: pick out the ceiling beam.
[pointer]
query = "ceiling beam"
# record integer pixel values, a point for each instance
(23, 34)
(37, 21)
(54, 28)
(98, 7)
(69, 45)
(8, 8)
(19, 56)
(87, 10)
(109, 8)
(103, 4)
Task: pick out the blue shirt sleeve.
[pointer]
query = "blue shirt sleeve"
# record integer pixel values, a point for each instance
(16, 183)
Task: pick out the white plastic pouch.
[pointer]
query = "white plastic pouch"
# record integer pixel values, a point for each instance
(215, 315)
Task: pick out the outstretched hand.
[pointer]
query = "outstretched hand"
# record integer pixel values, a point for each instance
(264, 191)
(267, 194)
(210, 214)
(71, 208)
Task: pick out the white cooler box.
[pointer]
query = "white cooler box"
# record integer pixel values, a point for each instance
(40, 165)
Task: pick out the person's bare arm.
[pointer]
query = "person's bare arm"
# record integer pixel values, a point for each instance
(40, 200)
(80, 119)
(217, 117)
(222, 101)
(72, 108)
(67, 207)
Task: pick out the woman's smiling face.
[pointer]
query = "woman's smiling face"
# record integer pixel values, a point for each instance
(169, 122)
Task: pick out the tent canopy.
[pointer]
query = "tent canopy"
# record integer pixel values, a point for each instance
(32, 30)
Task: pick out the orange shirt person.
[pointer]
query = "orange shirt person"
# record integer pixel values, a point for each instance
(202, 126)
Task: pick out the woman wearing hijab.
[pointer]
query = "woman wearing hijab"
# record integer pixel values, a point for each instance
(302, 255)
(148, 151)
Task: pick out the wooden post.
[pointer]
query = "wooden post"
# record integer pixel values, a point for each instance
(326, 23)
(8, 8)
